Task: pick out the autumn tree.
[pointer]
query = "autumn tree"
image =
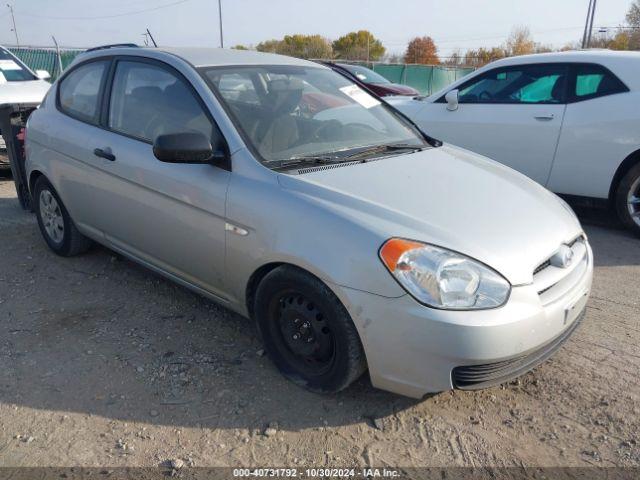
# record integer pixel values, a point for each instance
(482, 56)
(633, 15)
(520, 42)
(455, 59)
(269, 46)
(422, 50)
(301, 46)
(627, 36)
(360, 45)
(624, 41)
(630, 37)
(539, 48)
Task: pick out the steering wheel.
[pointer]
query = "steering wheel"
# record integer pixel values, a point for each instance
(362, 126)
(324, 128)
(485, 95)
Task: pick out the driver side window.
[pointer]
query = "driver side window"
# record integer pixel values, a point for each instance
(527, 84)
(148, 101)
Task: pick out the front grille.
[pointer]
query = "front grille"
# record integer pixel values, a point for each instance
(552, 282)
(473, 377)
(541, 267)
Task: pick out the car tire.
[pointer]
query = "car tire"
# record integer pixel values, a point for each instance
(627, 199)
(56, 225)
(307, 332)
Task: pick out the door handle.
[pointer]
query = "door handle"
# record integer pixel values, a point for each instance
(548, 116)
(106, 153)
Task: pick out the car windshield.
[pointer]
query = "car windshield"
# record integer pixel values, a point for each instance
(365, 75)
(294, 112)
(12, 70)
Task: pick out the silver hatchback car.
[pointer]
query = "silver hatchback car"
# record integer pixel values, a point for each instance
(283, 191)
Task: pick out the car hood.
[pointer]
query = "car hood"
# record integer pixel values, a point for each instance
(449, 197)
(31, 91)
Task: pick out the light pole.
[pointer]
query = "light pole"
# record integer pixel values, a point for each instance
(588, 27)
(593, 14)
(13, 19)
(220, 17)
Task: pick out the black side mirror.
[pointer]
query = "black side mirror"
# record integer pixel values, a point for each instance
(187, 147)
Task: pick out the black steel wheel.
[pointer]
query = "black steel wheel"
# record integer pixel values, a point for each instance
(305, 336)
(307, 332)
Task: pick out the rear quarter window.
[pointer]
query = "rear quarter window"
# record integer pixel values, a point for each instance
(594, 81)
(79, 91)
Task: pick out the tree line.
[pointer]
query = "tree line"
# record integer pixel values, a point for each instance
(362, 45)
(626, 36)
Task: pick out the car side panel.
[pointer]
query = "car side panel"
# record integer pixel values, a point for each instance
(284, 227)
(58, 146)
(523, 137)
(169, 215)
(597, 135)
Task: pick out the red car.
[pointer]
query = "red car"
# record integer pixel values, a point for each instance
(374, 81)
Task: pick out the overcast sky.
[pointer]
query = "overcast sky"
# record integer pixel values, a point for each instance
(452, 23)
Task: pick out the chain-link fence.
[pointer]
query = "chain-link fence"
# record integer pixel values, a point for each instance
(37, 58)
(427, 79)
(424, 78)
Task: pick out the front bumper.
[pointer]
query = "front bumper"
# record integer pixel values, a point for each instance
(413, 350)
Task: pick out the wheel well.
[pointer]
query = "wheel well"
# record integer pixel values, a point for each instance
(624, 167)
(254, 281)
(35, 175)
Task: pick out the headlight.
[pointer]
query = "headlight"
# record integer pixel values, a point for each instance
(443, 279)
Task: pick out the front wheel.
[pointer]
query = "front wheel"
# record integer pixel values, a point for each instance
(54, 221)
(627, 200)
(307, 332)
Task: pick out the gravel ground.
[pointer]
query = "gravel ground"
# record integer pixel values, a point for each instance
(106, 364)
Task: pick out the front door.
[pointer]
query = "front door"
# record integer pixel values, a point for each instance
(511, 114)
(169, 215)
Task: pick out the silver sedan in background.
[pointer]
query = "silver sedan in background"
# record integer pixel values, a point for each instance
(283, 191)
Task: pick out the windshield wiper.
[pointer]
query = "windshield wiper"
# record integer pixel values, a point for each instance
(304, 160)
(388, 148)
(323, 159)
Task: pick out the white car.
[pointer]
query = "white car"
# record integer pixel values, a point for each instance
(19, 84)
(568, 120)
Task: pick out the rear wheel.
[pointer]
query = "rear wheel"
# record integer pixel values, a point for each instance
(56, 226)
(628, 199)
(307, 332)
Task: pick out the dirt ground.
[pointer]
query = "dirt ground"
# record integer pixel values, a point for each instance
(103, 363)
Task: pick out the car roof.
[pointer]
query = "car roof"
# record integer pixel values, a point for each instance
(621, 63)
(203, 56)
(602, 56)
(346, 66)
